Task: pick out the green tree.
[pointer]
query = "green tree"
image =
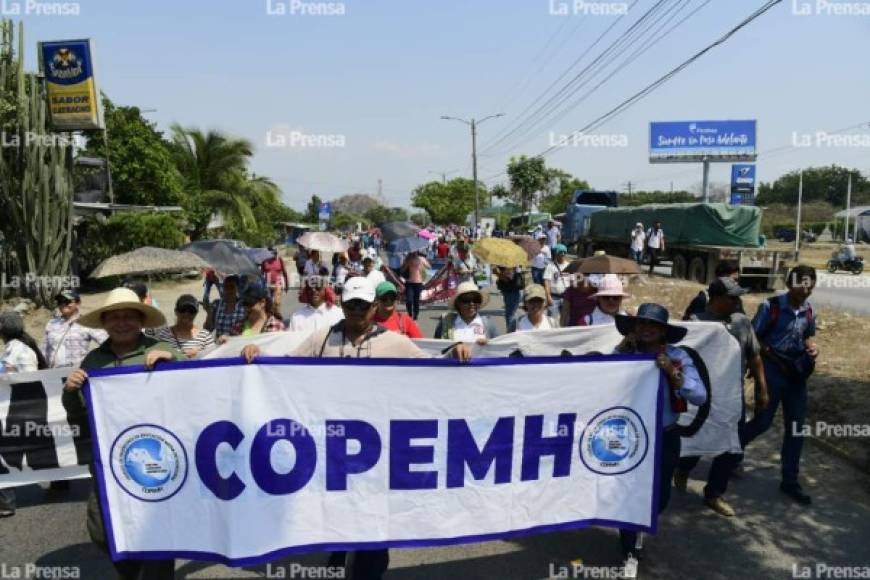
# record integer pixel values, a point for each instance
(558, 202)
(312, 210)
(143, 171)
(528, 176)
(214, 169)
(448, 203)
(382, 214)
(827, 184)
(420, 218)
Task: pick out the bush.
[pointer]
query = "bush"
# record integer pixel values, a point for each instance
(124, 233)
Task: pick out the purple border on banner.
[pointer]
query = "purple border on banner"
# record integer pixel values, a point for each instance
(349, 546)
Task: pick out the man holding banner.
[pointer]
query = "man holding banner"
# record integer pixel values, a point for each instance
(649, 332)
(123, 317)
(358, 336)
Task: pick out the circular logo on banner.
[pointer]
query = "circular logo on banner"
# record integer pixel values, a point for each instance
(149, 462)
(615, 441)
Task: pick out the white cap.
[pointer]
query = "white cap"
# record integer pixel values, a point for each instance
(358, 288)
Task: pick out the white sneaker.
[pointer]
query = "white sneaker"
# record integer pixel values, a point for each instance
(629, 566)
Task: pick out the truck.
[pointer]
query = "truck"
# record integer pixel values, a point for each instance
(698, 236)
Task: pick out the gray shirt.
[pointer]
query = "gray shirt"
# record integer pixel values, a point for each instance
(740, 327)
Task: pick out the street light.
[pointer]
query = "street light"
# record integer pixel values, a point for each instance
(473, 123)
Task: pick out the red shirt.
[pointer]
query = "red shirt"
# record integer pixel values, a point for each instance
(443, 250)
(402, 323)
(273, 268)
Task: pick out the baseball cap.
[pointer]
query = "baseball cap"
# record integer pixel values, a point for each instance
(726, 287)
(560, 249)
(386, 288)
(67, 295)
(358, 288)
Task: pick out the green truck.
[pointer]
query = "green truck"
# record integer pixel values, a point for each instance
(697, 237)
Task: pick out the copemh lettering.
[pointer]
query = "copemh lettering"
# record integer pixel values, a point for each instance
(354, 447)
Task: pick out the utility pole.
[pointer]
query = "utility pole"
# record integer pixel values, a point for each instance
(628, 185)
(797, 234)
(443, 175)
(473, 123)
(706, 181)
(848, 207)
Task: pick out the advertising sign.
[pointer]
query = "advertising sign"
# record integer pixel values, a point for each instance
(324, 214)
(742, 184)
(73, 97)
(686, 141)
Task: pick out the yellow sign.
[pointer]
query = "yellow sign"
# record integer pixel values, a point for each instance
(73, 98)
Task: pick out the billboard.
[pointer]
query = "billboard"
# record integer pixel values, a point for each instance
(73, 98)
(742, 184)
(687, 141)
(324, 213)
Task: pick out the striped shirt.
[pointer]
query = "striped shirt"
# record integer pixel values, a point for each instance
(199, 342)
(66, 342)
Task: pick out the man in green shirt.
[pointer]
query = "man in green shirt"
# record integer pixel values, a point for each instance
(123, 317)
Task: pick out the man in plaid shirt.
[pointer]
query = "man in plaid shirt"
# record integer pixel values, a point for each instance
(66, 342)
(228, 311)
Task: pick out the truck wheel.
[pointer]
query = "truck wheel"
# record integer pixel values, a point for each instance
(698, 270)
(678, 270)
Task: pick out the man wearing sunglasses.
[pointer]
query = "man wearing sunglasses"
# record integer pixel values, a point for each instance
(358, 336)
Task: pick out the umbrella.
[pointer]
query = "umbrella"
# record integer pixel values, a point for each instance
(427, 235)
(405, 245)
(322, 242)
(530, 245)
(258, 255)
(223, 256)
(395, 230)
(604, 264)
(148, 260)
(500, 252)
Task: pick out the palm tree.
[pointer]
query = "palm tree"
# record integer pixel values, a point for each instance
(214, 168)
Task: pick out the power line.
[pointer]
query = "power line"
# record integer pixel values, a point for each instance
(627, 103)
(552, 116)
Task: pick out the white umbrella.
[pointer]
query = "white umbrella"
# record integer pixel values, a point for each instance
(322, 242)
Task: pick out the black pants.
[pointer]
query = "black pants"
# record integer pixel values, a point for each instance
(367, 564)
(413, 290)
(653, 252)
(670, 458)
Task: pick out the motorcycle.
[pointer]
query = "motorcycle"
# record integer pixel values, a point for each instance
(855, 266)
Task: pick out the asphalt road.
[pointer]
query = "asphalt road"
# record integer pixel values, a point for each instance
(770, 538)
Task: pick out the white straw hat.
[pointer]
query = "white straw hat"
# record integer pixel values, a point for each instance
(123, 299)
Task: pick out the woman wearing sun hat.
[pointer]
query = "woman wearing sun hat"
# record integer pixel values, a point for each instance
(123, 317)
(464, 323)
(608, 302)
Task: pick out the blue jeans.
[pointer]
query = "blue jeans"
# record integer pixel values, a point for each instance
(556, 309)
(207, 291)
(637, 255)
(511, 304)
(793, 395)
(538, 276)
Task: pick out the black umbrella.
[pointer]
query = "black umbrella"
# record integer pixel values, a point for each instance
(396, 230)
(406, 245)
(223, 256)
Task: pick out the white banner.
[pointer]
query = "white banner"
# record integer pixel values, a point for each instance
(242, 464)
(718, 351)
(37, 442)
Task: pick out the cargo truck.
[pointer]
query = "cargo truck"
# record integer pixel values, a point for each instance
(697, 237)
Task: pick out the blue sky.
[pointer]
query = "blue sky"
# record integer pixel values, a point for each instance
(380, 76)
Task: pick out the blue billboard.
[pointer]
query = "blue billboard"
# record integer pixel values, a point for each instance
(742, 184)
(687, 141)
(324, 212)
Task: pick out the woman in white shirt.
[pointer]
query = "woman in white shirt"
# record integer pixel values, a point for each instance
(535, 305)
(608, 301)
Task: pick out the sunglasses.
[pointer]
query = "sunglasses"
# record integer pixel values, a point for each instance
(356, 305)
(470, 300)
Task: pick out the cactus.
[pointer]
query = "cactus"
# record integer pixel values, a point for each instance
(36, 183)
